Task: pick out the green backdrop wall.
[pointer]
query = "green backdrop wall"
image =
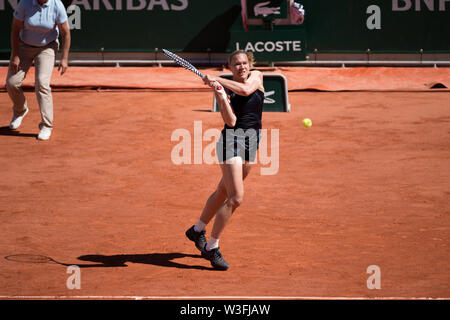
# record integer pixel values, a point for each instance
(394, 26)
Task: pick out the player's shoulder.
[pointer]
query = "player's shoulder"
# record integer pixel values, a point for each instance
(25, 3)
(256, 72)
(59, 4)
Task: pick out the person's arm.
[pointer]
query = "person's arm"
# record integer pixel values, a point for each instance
(65, 34)
(253, 83)
(16, 26)
(225, 108)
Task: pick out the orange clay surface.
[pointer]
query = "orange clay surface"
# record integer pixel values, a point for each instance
(367, 184)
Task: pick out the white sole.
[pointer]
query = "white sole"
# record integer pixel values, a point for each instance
(23, 116)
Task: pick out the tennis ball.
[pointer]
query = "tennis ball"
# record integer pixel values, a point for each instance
(307, 122)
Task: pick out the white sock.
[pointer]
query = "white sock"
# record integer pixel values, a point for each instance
(213, 243)
(199, 226)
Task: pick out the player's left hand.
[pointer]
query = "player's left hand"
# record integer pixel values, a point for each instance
(63, 65)
(208, 80)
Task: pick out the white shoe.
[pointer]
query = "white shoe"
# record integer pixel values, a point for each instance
(45, 133)
(17, 121)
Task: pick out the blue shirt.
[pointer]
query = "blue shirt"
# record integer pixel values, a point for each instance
(40, 22)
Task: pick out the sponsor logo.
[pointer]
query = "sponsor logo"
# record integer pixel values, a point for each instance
(267, 95)
(419, 5)
(261, 9)
(119, 5)
(272, 46)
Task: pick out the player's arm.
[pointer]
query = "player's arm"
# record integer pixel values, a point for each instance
(16, 26)
(65, 34)
(225, 108)
(253, 83)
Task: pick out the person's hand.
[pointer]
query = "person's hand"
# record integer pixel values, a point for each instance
(207, 79)
(218, 89)
(14, 63)
(217, 86)
(300, 19)
(63, 65)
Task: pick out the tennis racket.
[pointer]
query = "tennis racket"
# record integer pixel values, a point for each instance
(185, 64)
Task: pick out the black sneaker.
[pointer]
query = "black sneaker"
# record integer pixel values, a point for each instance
(197, 237)
(216, 259)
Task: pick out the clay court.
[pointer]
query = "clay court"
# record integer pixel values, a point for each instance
(367, 184)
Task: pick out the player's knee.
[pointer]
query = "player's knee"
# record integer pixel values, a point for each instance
(13, 83)
(236, 200)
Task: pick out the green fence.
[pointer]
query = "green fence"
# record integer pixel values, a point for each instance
(385, 26)
(394, 26)
(143, 25)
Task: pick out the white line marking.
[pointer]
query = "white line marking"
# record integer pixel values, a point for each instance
(214, 298)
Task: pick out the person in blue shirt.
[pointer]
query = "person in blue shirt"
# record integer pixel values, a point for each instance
(35, 29)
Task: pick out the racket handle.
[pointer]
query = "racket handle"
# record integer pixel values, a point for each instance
(219, 88)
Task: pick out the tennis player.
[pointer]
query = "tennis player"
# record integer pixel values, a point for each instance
(241, 111)
(34, 38)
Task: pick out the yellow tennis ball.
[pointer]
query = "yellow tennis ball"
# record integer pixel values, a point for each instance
(307, 122)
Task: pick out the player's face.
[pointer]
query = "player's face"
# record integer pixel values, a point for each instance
(240, 67)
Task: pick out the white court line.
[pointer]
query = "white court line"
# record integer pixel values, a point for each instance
(211, 298)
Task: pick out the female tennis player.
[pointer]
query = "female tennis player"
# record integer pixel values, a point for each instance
(241, 111)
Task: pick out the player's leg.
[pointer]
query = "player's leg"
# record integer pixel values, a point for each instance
(45, 62)
(14, 85)
(232, 177)
(197, 232)
(218, 197)
(215, 201)
(246, 168)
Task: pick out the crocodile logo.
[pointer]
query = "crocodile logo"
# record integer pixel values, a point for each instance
(267, 95)
(261, 10)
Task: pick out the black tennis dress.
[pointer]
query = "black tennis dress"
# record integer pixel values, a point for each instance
(242, 140)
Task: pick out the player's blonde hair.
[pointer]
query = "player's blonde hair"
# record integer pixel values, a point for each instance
(249, 54)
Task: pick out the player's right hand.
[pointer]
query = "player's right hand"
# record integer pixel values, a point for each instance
(216, 86)
(14, 63)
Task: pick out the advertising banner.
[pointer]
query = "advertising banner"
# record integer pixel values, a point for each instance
(384, 26)
(388, 26)
(143, 25)
(275, 45)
